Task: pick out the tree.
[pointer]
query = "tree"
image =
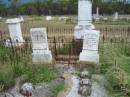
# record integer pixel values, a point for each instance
(2, 8)
(15, 5)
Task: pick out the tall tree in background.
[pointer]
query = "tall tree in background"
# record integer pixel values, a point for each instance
(2, 8)
(15, 5)
(49, 6)
(59, 7)
(38, 6)
(97, 3)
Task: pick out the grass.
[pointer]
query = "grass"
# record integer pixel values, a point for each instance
(6, 79)
(13, 65)
(18, 63)
(57, 88)
(115, 64)
(64, 50)
(42, 74)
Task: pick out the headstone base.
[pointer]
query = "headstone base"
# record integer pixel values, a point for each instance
(89, 56)
(42, 58)
(80, 29)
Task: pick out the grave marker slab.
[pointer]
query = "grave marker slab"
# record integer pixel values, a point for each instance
(15, 32)
(90, 46)
(48, 18)
(39, 38)
(116, 16)
(41, 53)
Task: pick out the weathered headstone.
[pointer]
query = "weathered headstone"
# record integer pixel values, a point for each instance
(41, 53)
(48, 18)
(97, 12)
(84, 12)
(116, 16)
(84, 17)
(96, 17)
(63, 18)
(15, 32)
(90, 47)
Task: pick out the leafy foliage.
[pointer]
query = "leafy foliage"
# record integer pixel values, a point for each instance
(58, 7)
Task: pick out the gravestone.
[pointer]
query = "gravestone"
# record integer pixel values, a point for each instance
(116, 16)
(97, 17)
(48, 18)
(90, 47)
(15, 32)
(97, 12)
(41, 53)
(84, 17)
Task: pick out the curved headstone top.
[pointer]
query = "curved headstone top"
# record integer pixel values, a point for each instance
(37, 29)
(13, 21)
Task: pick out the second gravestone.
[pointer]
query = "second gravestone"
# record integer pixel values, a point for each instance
(84, 18)
(41, 53)
(90, 47)
(15, 32)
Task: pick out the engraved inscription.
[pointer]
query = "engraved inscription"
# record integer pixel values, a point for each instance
(91, 41)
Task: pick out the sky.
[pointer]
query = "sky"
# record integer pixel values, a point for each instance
(7, 1)
(24, 1)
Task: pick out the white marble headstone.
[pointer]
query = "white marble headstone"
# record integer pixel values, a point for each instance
(97, 12)
(14, 27)
(116, 16)
(84, 12)
(48, 18)
(41, 53)
(91, 40)
(90, 47)
(39, 38)
(84, 18)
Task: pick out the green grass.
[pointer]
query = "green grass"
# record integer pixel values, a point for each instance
(17, 65)
(115, 64)
(6, 79)
(57, 88)
(65, 49)
(42, 74)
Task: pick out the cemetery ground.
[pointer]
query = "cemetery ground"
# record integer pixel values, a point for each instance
(16, 63)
